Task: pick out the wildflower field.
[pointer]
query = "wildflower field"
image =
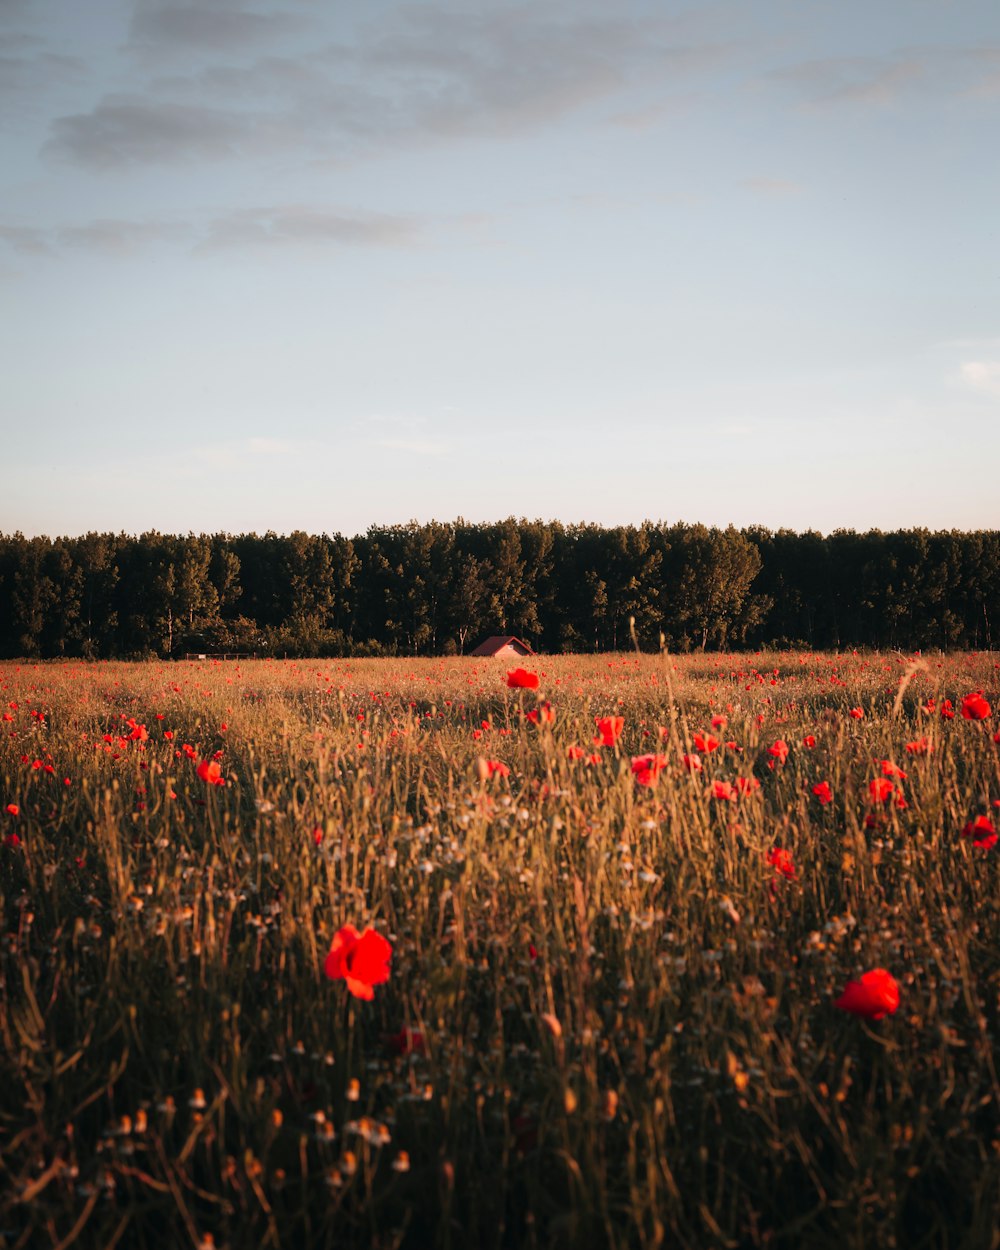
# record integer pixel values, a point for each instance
(627, 951)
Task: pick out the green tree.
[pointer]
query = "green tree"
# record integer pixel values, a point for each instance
(713, 570)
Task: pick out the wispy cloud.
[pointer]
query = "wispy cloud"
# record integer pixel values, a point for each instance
(983, 78)
(910, 73)
(114, 237)
(274, 226)
(297, 224)
(107, 236)
(418, 73)
(128, 130)
(852, 79)
(27, 240)
(20, 75)
(218, 27)
(13, 10)
(981, 376)
(650, 115)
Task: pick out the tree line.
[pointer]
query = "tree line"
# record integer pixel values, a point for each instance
(440, 588)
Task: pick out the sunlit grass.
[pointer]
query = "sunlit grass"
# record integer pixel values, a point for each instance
(610, 1020)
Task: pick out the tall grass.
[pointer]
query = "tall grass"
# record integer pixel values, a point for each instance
(610, 1021)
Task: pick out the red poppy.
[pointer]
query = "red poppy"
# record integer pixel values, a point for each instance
(692, 763)
(856, 713)
(575, 752)
(724, 790)
(879, 789)
(646, 768)
(544, 714)
(875, 996)
(779, 750)
(747, 785)
(521, 679)
(719, 722)
(406, 1042)
(705, 743)
(947, 711)
(823, 792)
(609, 730)
(982, 832)
(889, 769)
(211, 772)
(809, 741)
(781, 861)
(360, 959)
(13, 809)
(496, 766)
(919, 746)
(975, 707)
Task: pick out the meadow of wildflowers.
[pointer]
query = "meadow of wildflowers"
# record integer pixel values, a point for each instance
(649, 951)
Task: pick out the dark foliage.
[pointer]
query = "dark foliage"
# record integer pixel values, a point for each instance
(438, 588)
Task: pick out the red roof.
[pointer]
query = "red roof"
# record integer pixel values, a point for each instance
(502, 643)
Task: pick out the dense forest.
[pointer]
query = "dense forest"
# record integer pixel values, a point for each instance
(440, 588)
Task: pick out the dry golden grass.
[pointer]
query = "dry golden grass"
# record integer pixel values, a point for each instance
(621, 1020)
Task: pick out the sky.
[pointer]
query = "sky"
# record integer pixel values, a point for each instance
(301, 265)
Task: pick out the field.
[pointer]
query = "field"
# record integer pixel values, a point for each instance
(617, 1008)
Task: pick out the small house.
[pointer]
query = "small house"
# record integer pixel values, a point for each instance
(504, 646)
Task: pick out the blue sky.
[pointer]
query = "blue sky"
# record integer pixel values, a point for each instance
(304, 265)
